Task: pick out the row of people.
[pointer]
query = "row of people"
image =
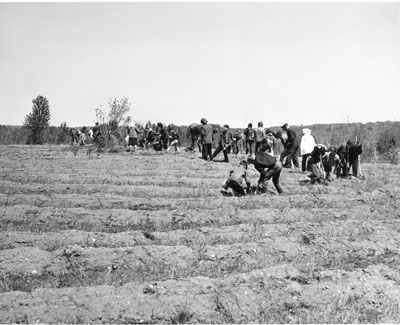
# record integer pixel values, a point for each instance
(228, 142)
(159, 139)
(325, 162)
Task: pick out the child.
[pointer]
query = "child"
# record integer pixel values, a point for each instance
(237, 180)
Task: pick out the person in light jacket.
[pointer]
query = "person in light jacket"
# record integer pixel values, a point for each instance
(307, 145)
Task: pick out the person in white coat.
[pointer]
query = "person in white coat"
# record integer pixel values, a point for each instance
(307, 145)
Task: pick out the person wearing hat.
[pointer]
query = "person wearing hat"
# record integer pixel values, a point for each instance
(224, 144)
(206, 136)
(291, 146)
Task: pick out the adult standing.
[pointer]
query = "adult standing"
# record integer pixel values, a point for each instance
(237, 141)
(249, 134)
(354, 150)
(174, 140)
(164, 136)
(224, 144)
(133, 138)
(307, 145)
(259, 135)
(206, 135)
(291, 147)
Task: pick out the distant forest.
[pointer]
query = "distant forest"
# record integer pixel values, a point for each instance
(380, 140)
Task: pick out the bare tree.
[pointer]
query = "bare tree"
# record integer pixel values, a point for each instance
(111, 119)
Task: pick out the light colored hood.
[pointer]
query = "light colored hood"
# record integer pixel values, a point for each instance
(306, 131)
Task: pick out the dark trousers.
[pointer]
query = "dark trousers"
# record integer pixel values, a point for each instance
(354, 167)
(304, 162)
(165, 143)
(291, 155)
(236, 187)
(258, 145)
(218, 150)
(207, 151)
(266, 174)
(235, 147)
(249, 147)
(195, 140)
(342, 170)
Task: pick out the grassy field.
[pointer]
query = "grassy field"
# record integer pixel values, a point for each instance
(149, 238)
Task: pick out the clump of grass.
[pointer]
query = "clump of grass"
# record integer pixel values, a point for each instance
(181, 317)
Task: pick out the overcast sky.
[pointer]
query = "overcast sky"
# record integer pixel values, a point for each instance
(231, 62)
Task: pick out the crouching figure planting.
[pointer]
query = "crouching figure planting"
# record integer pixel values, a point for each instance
(237, 180)
(269, 167)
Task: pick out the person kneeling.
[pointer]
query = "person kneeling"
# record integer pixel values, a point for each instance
(237, 180)
(315, 164)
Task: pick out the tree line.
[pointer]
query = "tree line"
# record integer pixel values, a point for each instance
(380, 140)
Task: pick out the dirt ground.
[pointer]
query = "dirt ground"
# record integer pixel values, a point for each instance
(148, 237)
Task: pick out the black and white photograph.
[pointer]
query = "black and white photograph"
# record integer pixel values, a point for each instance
(208, 162)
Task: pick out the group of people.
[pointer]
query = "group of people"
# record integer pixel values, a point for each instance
(321, 161)
(162, 138)
(203, 135)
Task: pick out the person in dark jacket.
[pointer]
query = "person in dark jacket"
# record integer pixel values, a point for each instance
(194, 134)
(164, 136)
(354, 151)
(206, 135)
(249, 133)
(268, 167)
(315, 164)
(291, 146)
(224, 144)
(330, 162)
(343, 166)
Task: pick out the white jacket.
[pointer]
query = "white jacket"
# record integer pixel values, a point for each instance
(307, 143)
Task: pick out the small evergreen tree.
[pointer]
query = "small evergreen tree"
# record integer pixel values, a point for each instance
(38, 120)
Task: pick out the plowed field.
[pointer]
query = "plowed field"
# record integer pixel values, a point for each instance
(149, 238)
